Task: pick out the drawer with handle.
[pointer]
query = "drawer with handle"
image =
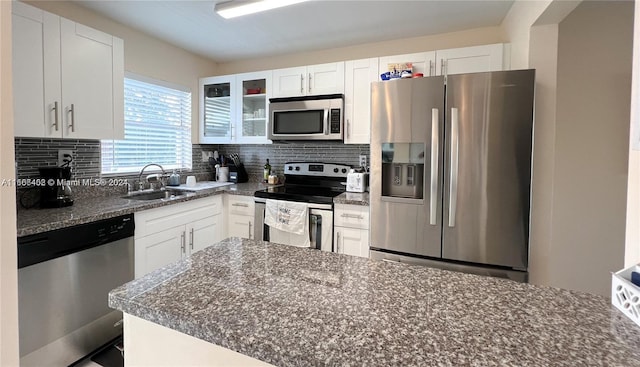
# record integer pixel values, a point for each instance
(241, 205)
(352, 216)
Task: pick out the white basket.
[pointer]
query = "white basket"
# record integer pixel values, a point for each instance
(625, 295)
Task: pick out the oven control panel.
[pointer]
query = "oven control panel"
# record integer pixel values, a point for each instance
(316, 169)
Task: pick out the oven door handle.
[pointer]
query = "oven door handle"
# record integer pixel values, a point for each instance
(315, 231)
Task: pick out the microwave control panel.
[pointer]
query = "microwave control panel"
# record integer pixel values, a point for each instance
(335, 121)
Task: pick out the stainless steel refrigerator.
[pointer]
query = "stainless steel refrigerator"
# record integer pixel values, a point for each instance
(451, 171)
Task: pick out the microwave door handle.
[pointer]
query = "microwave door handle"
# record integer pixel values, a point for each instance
(326, 122)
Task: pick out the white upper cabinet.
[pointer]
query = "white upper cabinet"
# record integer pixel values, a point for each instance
(93, 82)
(290, 82)
(423, 62)
(68, 79)
(217, 109)
(309, 80)
(357, 99)
(234, 108)
(36, 83)
(253, 107)
(325, 78)
(473, 59)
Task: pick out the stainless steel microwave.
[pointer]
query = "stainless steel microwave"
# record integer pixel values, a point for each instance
(306, 118)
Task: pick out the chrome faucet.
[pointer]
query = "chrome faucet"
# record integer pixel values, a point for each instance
(160, 178)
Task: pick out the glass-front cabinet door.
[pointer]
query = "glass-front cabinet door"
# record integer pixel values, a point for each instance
(217, 108)
(254, 116)
(235, 108)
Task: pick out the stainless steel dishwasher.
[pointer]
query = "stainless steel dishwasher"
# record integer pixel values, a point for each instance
(64, 278)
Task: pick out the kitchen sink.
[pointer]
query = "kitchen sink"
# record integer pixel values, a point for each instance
(157, 194)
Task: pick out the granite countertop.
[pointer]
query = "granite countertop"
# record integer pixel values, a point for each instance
(352, 198)
(292, 306)
(86, 210)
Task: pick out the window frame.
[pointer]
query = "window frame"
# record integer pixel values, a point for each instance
(187, 123)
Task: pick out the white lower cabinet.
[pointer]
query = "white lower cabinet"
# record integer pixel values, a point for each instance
(352, 241)
(351, 230)
(169, 233)
(240, 216)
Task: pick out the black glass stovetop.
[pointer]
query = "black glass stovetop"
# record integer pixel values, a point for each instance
(308, 194)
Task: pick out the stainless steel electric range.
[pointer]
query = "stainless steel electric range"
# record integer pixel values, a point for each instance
(308, 182)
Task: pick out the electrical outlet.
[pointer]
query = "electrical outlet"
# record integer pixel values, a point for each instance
(206, 155)
(65, 156)
(363, 161)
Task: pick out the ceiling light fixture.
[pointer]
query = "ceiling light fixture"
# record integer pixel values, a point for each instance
(232, 9)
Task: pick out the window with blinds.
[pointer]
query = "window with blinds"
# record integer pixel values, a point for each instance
(157, 129)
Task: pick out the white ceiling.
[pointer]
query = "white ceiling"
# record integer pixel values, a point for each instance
(308, 26)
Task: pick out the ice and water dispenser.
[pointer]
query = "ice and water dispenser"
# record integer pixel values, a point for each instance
(403, 170)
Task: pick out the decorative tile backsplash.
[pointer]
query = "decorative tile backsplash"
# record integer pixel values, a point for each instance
(254, 157)
(32, 153)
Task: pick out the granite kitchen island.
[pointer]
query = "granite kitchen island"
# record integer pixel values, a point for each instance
(290, 306)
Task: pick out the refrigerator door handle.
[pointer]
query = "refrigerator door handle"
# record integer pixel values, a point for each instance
(453, 178)
(435, 148)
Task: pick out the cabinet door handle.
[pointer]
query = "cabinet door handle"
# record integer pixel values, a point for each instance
(309, 82)
(353, 216)
(249, 229)
(183, 246)
(431, 68)
(55, 116)
(338, 242)
(73, 122)
(191, 240)
(301, 83)
(348, 128)
(240, 204)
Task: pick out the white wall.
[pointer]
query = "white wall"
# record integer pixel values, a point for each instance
(143, 54)
(543, 56)
(8, 247)
(472, 37)
(590, 159)
(632, 246)
(525, 14)
(516, 27)
(581, 53)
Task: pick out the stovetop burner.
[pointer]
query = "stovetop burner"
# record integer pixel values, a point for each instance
(309, 182)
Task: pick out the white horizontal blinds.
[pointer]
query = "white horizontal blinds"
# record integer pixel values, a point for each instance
(157, 129)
